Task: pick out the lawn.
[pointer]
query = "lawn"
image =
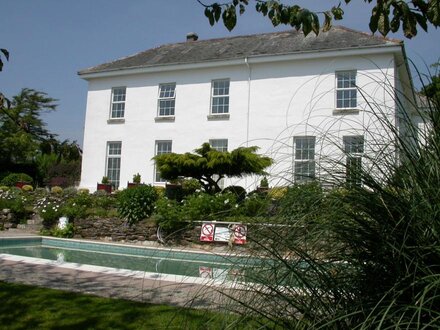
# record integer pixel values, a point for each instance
(28, 307)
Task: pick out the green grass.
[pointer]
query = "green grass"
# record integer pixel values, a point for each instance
(28, 307)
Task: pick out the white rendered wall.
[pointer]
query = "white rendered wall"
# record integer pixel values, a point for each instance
(286, 99)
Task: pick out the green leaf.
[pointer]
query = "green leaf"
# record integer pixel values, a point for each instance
(242, 9)
(5, 52)
(338, 13)
(374, 20)
(217, 11)
(383, 24)
(327, 21)
(433, 12)
(229, 18)
(208, 13)
(305, 19)
(422, 21)
(315, 23)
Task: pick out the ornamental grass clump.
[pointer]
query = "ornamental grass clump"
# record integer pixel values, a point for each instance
(364, 254)
(136, 203)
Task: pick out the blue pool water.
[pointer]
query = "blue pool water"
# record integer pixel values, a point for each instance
(152, 260)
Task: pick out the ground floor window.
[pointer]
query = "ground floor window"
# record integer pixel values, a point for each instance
(354, 149)
(113, 163)
(219, 145)
(162, 147)
(304, 158)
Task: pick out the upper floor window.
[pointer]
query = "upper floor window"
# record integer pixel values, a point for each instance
(219, 144)
(162, 147)
(220, 97)
(354, 148)
(167, 99)
(118, 103)
(346, 92)
(304, 160)
(113, 164)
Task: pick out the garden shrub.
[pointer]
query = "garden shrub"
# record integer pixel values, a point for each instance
(14, 200)
(301, 200)
(277, 192)
(205, 206)
(67, 232)
(255, 205)
(11, 179)
(50, 209)
(4, 188)
(190, 186)
(238, 191)
(160, 191)
(170, 214)
(83, 191)
(56, 190)
(136, 203)
(27, 188)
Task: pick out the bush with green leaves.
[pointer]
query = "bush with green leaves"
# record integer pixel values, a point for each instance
(238, 191)
(50, 209)
(15, 200)
(170, 214)
(255, 205)
(11, 179)
(66, 232)
(136, 203)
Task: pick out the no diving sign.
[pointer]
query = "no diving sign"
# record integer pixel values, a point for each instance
(240, 234)
(207, 232)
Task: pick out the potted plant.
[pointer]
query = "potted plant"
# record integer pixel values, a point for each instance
(136, 181)
(264, 185)
(104, 185)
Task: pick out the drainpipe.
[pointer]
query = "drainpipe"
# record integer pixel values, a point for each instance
(248, 109)
(248, 101)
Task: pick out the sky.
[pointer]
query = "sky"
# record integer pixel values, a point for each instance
(51, 40)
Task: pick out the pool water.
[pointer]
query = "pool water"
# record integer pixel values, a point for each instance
(152, 260)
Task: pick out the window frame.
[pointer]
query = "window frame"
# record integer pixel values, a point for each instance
(354, 152)
(166, 98)
(117, 102)
(308, 160)
(112, 156)
(157, 177)
(219, 148)
(343, 89)
(219, 96)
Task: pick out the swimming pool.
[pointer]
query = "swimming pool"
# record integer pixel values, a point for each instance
(158, 263)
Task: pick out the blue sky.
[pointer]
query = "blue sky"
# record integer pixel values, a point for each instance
(50, 40)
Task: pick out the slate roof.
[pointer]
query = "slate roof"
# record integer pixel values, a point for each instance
(277, 43)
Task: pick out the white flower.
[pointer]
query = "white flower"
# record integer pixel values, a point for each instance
(226, 201)
(236, 205)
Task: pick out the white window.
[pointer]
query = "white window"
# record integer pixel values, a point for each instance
(346, 92)
(220, 97)
(304, 162)
(118, 103)
(167, 99)
(113, 163)
(162, 147)
(354, 148)
(219, 144)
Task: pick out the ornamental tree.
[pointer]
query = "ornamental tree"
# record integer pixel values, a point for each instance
(209, 166)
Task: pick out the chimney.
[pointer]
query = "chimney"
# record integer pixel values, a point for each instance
(192, 36)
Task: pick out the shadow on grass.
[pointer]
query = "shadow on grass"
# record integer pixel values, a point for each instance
(27, 307)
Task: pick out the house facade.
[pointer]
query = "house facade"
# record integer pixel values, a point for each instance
(310, 103)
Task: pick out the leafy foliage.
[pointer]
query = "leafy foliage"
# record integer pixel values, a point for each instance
(209, 166)
(11, 179)
(386, 16)
(137, 203)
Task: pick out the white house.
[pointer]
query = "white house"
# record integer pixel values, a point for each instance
(307, 102)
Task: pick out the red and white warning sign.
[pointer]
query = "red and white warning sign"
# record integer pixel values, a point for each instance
(205, 272)
(240, 234)
(207, 232)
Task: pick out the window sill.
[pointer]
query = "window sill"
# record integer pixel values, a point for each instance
(346, 111)
(115, 121)
(164, 119)
(222, 116)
